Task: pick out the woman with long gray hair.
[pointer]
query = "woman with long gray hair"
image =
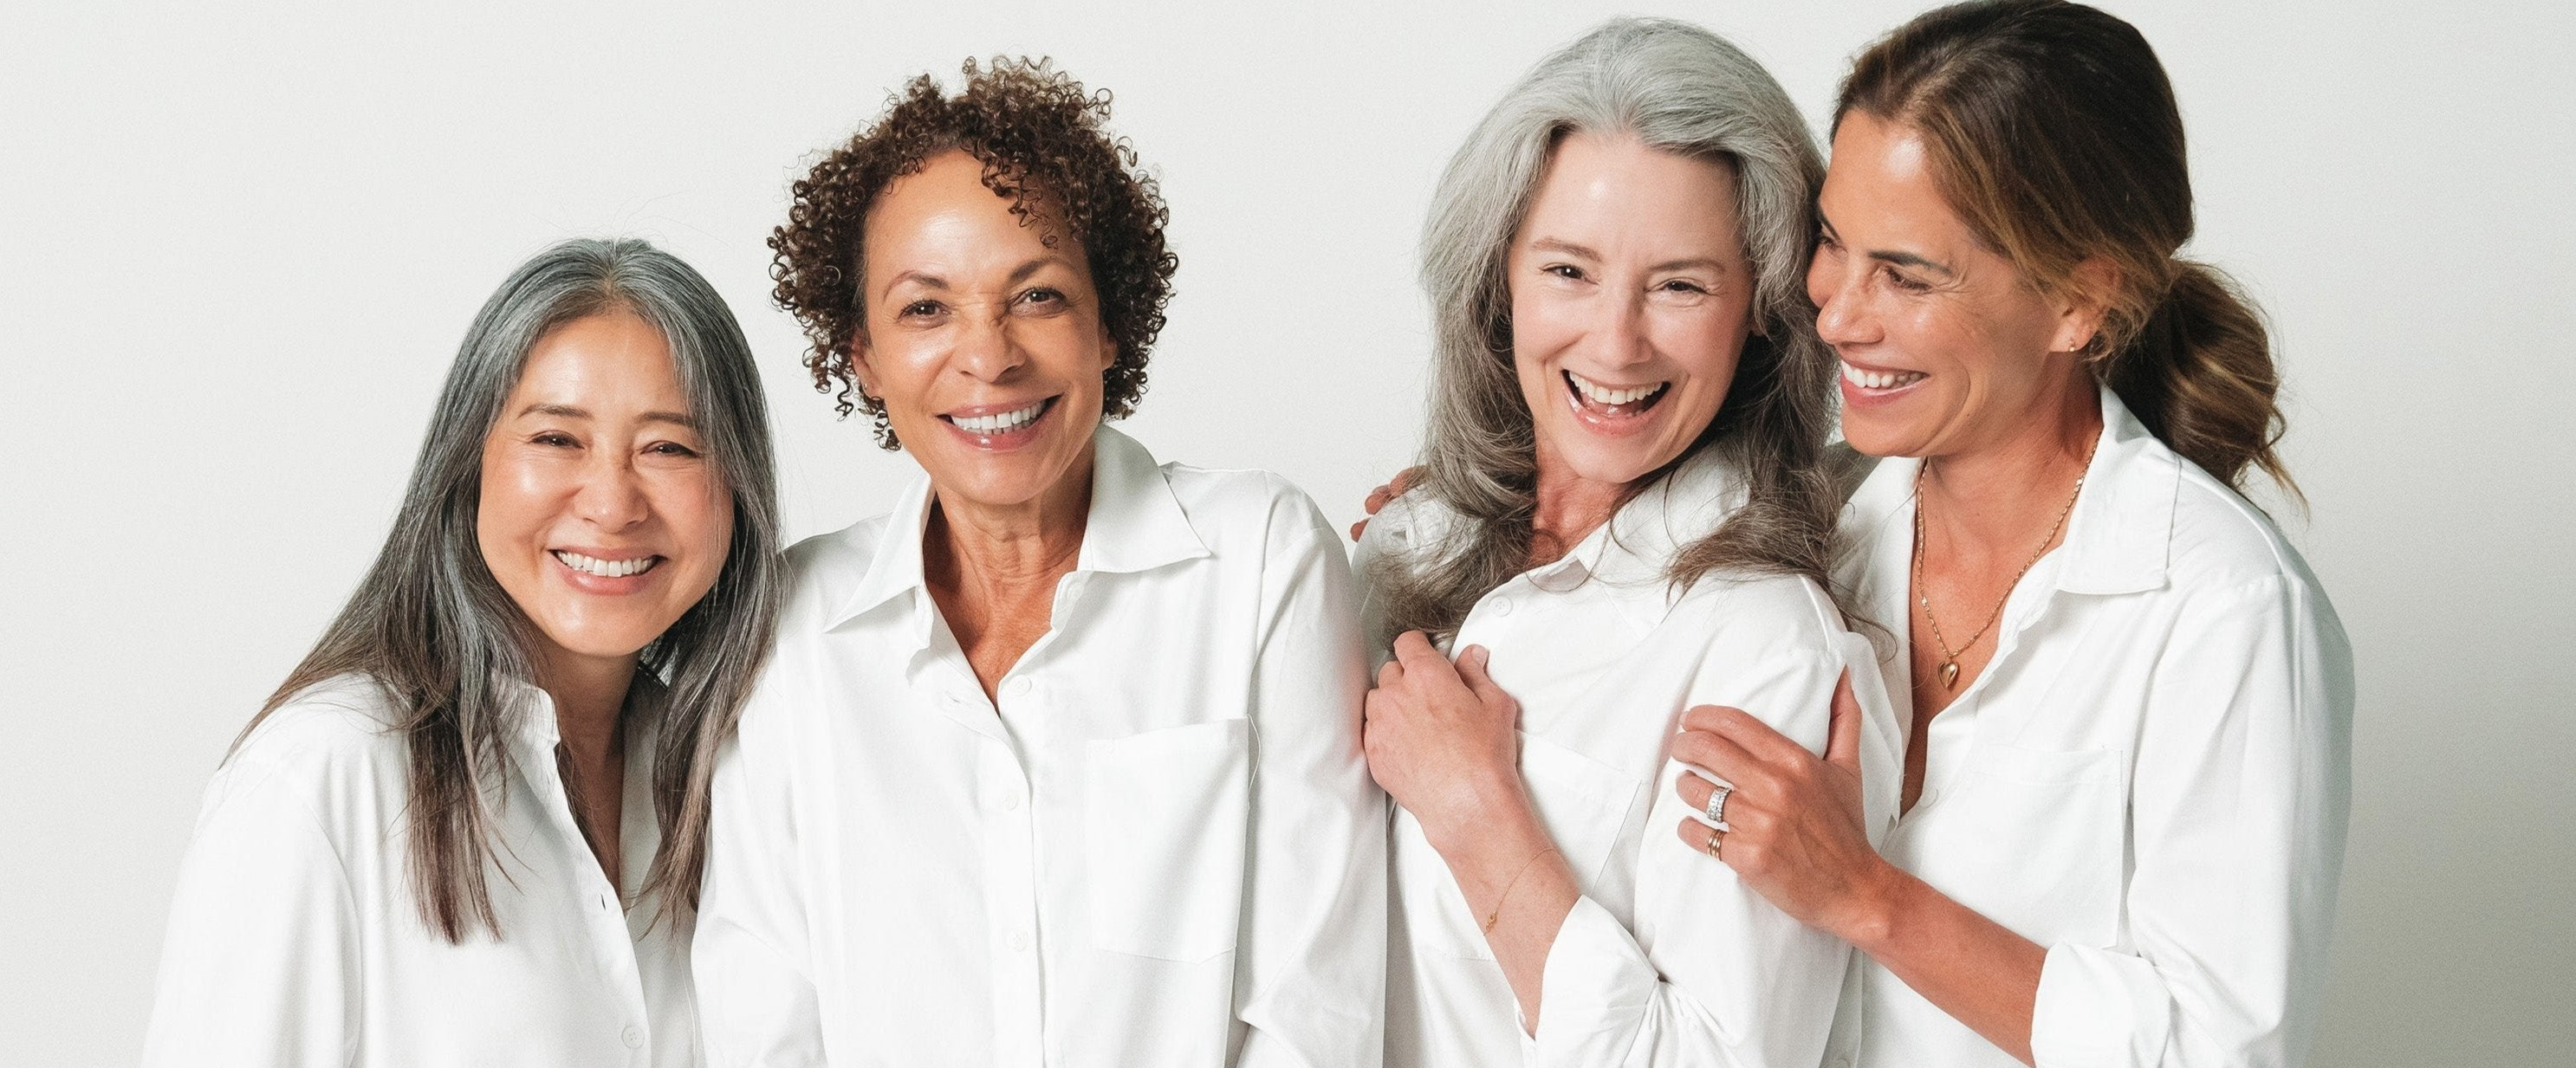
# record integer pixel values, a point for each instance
(1622, 511)
(468, 828)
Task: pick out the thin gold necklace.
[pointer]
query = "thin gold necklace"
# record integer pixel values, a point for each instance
(1923, 595)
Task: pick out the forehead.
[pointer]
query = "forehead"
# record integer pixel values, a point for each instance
(1882, 177)
(945, 211)
(1616, 186)
(604, 362)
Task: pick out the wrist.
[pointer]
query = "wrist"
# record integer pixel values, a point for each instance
(1487, 824)
(1874, 913)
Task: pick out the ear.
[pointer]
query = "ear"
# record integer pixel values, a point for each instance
(863, 363)
(1108, 349)
(2083, 303)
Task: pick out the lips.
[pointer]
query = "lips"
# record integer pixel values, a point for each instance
(995, 426)
(1613, 401)
(1872, 378)
(606, 567)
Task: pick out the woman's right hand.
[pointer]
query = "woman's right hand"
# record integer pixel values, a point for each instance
(1378, 497)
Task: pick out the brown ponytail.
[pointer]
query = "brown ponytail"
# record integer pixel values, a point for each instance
(2054, 135)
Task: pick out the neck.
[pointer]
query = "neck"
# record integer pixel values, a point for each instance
(1567, 507)
(1989, 498)
(589, 695)
(981, 546)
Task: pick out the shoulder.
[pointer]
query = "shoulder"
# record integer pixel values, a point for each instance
(1241, 507)
(2222, 542)
(1763, 617)
(331, 748)
(825, 568)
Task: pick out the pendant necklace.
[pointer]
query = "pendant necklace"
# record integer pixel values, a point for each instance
(1923, 595)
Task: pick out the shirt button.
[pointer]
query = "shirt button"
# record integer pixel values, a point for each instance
(1011, 802)
(1502, 606)
(1016, 688)
(634, 1037)
(1929, 795)
(1019, 942)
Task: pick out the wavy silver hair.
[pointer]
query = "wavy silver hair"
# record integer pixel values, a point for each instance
(1677, 88)
(432, 626)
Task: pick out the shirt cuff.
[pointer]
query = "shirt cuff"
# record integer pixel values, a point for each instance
(1594, 993)
(2098, 1008)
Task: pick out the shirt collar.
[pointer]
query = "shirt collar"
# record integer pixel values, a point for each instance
(2120, 535)
(1640, 540)
(1133, 524)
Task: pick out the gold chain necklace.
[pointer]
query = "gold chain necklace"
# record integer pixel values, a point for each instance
(1923, 596)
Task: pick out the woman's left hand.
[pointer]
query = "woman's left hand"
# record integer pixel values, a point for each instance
(1442, 739)
(1797, 833)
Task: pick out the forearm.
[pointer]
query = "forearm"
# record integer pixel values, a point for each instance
(1517, 885)
(1971, 967)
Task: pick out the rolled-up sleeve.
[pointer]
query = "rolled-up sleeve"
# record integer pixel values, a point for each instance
(2238, 807)
(756, 1001)
(261, 965)
(1712, 974)
(1312, 968)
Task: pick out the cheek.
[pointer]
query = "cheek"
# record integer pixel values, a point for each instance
(510, 513)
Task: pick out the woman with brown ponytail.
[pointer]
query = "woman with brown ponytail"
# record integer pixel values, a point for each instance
(2125, 784)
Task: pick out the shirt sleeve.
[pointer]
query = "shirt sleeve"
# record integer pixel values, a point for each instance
(2237, 809)
(755, 992)
(1712, 974)
(261, 963)
(1312, 966)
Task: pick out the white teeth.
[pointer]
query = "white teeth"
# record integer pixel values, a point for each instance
(998, 424)
(1601, 394)
(1880, 379)
(591, 565)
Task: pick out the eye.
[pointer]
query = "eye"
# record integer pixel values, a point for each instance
(1042, 299)
(670, 448)
(555, 439)
(1683, 285)
(919, 309)
(1563, 270)
(1906, 282)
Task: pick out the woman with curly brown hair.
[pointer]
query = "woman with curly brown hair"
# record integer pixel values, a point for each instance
(1060, 759)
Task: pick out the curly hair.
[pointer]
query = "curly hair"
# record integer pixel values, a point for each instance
(1042, 141)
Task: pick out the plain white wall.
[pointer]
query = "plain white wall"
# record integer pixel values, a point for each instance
(238, 246)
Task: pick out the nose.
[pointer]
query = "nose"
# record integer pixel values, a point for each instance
(611, 496)
(1618, 334)
(1840, 317)
(986, 349)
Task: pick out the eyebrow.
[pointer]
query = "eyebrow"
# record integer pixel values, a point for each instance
(1018, 274)
(1550, 244)
(566, 411)
(1901, 259)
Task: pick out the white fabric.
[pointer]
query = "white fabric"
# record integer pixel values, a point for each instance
(1162, 848)
(2150, 777)
(1667, 959)
(295, 938)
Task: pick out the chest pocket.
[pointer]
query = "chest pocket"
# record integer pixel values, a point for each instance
(2043, 836)
(1581, 802)
(1165, 816)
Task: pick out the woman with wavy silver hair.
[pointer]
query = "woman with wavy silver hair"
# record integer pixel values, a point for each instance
(1622, 510)
(468, 828)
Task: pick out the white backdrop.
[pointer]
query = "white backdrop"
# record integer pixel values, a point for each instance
(239, 245)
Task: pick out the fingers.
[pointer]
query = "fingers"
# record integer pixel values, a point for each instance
(1718, 755)
(1358, 529)
(1404, 481)
(1842, 746)
(1414, 650)
(1473, 669)
(1700, 837)
(1753, 735)
(1390, 675)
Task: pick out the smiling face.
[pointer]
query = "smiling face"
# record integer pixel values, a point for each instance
(1631, 300)
(985, 344)
(600, 514)
(1946, 346)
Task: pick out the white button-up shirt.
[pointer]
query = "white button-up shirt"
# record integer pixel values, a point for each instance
(1158, 846)
(2149, 778)
(1667, 958)
(295, 937)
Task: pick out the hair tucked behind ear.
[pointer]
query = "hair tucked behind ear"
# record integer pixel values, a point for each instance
(2053, 133)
